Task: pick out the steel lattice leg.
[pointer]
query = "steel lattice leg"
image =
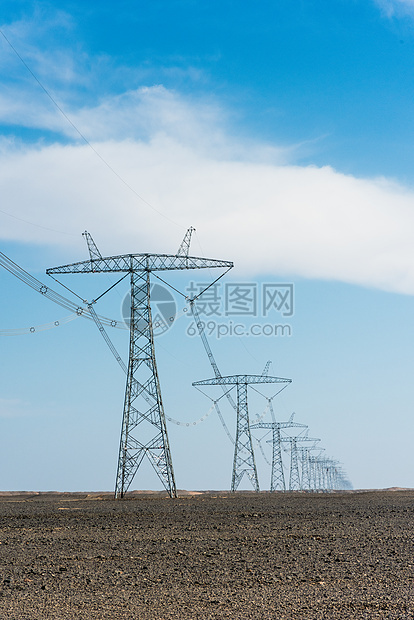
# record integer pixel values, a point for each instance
(144, 431)
(277, 482)
(294, 479)
(244, 461)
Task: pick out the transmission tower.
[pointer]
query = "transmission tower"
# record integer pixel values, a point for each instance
(306, 466)
(244, 460)
(332, 477)
(341, 479)
(329, 474)
(277, 479)
(294, 475)
(315, 469)
(144, 430)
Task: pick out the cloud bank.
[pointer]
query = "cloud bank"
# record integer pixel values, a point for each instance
(249, 201)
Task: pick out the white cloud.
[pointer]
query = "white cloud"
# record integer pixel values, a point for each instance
(148, 113)
(248, 202)
(44, 48)
(396, 7)
(40, 40)
(47, 43)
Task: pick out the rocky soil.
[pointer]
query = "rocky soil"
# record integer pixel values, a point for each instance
(208, 556)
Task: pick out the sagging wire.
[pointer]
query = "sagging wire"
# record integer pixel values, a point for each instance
(81, 135)
(218, 411)
(259, 443)
(46, 291)
(67, 288)
(39, 328)
(189, 424)
(142, 387)
(107, 339)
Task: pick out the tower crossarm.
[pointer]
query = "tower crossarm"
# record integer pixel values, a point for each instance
(298, 439)
(140, 262)
(272, 425)
(318, 456)
(240, 379)
(308, 448)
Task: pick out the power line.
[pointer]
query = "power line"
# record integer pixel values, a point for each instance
(83, 137)
(62, 232)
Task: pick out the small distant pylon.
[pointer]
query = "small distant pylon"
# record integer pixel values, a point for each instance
(315, 469)
(295, 482)
(305, 456)
(277, 480)
(294, 475)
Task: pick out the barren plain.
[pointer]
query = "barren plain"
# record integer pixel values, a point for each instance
(292, 556)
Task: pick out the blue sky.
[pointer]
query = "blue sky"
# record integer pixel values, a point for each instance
(283, 131)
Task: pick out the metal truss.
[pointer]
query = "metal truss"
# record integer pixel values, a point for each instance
(295, 483)
(144, 431)
(244, 459)
(306, 466)
(238, 379)
(140, 262)
(185, 244)
(294, 476)
(277, 480)
(94, 253)
(277, 477)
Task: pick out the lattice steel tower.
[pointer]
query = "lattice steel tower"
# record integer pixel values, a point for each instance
(144, 430)
(244, 461)
(294, 474)
(277, 480)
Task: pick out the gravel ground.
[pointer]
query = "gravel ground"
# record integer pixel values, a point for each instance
(208, 556)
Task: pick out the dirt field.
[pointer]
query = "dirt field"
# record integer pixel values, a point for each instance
(279, 556)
